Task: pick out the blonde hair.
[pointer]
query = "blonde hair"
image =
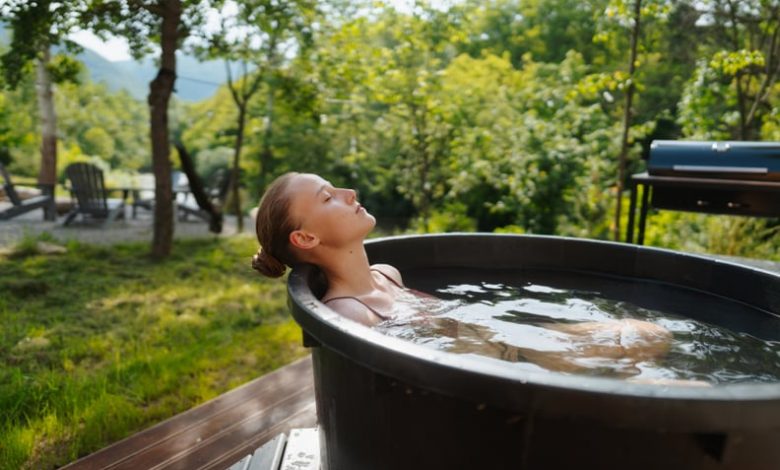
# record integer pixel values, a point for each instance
(273, 226)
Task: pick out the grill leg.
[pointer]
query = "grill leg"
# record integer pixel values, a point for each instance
(631, 211)
(643, 214)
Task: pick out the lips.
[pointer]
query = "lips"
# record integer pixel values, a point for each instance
(358, 208)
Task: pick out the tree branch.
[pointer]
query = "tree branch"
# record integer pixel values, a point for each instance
(763, 93)
(255, 83)
(738, 77)
(769, 78)
(243, 80)
(230, 83)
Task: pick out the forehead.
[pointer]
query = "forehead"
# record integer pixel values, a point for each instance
(305, 184)
(303, 191)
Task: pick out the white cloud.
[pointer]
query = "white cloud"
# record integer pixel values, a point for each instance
(114, 49)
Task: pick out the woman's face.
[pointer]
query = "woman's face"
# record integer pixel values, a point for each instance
(333, 215)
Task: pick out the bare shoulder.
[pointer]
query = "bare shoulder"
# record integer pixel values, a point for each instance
(390, 271)
(352, 309)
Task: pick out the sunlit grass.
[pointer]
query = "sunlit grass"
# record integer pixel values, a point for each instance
(101, 342)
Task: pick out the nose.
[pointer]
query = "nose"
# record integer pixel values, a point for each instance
(351, 196)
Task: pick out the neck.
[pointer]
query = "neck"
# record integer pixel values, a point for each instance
(348, 269)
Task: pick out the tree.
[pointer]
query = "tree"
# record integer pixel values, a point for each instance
(269, 31)
(636, 17)
(545, 29)
(112, 126)
(415, 49)
(747, 37)
(629, 14)
(168, 23)
(36, 27)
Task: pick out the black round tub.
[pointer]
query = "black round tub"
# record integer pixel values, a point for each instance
(385, 403)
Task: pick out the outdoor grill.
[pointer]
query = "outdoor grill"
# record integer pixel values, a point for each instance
(734, 178)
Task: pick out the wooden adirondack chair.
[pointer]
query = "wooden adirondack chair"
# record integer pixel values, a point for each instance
(88, 188)
(21, 206)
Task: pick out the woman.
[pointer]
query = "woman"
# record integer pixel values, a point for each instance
(302, 218)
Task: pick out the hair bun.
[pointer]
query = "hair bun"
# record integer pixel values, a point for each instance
(267, 265)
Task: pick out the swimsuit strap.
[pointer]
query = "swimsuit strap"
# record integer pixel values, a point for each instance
(388, 277)
(383, 317)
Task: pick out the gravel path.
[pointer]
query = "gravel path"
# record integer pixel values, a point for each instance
(127, 230)
(140, 229)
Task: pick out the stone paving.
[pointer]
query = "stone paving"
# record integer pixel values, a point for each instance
(122, 230)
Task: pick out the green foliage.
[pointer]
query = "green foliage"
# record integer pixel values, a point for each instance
(707, 107)
(93, 122)
(111, 126)
(700, 233)
(733, 62)
(36, 26)
(63, 68)
(543, 29)
(452, 218)
(16, 133)
(129, 342)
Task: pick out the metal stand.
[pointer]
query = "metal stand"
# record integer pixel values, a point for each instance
(299, 451)
(642, 212)
(705, 195)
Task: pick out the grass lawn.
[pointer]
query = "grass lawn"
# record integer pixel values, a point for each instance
(101, 342)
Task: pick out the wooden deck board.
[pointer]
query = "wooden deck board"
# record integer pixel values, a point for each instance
(305, 418)
(219, 432)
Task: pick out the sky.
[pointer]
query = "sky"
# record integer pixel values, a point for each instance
(116, 49)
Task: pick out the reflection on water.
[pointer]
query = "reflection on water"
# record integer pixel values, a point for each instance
(549, 326)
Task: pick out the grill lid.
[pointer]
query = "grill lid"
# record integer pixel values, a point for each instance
(715, 159)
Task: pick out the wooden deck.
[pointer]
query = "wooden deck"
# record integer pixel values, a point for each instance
(220, 432)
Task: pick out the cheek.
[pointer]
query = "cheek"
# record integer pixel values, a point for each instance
(342, 223)
(328, 219)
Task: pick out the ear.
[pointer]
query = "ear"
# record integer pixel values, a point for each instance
(303, 239)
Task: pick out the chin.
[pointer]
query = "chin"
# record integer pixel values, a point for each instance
(370, 223)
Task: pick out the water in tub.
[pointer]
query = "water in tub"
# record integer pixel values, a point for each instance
(583, 324)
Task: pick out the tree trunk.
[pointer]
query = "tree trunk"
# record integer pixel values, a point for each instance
(160, 90)
(235, 181)
(425, 191)
(47, 176)
(738, 78)
(197, 189)
(267, 153)
(627, 119)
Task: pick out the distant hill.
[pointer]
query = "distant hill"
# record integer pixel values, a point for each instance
(196, 80)
(114, 76)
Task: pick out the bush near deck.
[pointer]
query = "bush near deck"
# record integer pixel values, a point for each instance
(101, 342)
